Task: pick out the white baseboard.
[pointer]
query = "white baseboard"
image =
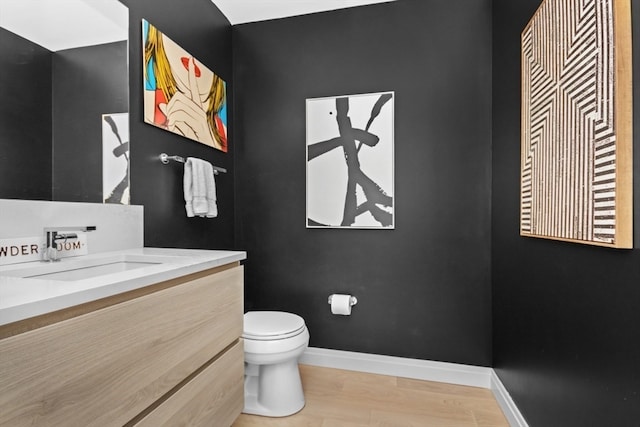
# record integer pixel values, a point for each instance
(452, 373)
(509, 408)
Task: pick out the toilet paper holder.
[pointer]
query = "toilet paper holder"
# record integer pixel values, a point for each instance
(352, 300)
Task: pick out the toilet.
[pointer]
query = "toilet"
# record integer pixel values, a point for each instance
(273, 342)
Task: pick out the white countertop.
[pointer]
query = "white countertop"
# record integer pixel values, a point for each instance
(22, 298)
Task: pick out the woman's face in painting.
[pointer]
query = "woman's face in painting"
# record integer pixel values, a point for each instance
(186, 111)
(191, 76)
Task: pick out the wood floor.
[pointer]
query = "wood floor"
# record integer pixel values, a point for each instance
(337, 398)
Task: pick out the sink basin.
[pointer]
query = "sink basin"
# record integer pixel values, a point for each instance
(82, 273)
(87, 268)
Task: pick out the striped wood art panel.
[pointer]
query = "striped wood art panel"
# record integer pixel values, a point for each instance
(576, 165)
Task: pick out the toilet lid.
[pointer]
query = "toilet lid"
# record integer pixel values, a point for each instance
(271, 325)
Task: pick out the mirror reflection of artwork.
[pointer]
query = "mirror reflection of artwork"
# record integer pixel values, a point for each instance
(181, 94)
(115, 158)
(350, 161)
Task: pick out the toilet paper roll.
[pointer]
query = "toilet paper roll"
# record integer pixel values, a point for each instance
(341, 304)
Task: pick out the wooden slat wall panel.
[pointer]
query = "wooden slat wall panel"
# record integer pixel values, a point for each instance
(576, 165)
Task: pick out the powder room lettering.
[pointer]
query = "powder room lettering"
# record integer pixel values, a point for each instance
(25, 249)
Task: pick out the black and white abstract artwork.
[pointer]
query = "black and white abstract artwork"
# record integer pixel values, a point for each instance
(115, 158)
(350, 161)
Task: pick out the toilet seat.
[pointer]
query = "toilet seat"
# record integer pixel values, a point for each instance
(272, 325)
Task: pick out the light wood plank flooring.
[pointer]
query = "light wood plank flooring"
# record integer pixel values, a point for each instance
(338, 398)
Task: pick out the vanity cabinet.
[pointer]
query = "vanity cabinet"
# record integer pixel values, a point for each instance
(165, 355)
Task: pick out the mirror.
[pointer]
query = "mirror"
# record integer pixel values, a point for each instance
(64, 90)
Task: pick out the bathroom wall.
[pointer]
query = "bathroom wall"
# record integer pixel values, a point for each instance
(424, 289)
(25, 125)
(199, 28)
(566, 316)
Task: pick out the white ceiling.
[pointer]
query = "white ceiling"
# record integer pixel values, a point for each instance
(64, 24)
(242, 11)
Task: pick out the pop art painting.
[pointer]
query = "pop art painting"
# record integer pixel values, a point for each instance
(181, 94)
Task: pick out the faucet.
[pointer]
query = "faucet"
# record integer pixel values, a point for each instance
(53, 236)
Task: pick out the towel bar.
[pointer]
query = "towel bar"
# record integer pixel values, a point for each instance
(164, 158)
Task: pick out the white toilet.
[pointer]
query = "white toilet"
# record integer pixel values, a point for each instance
(273, 342)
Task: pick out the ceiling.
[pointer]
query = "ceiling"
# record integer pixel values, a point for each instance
(64, 24)
(242, 11)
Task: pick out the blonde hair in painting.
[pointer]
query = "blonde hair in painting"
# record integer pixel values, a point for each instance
(154, 53)
(216, 101)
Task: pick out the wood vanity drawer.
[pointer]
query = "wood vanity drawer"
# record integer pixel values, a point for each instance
(213, 398)
(105, 367)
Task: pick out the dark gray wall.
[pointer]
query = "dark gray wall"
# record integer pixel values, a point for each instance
(25, 121)
(566, 316)
(423, 288)
(199, 28)
(87, 83)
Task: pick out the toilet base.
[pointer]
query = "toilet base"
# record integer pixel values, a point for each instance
(273, 390)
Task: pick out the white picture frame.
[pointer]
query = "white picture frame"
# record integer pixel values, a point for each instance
(350, 161)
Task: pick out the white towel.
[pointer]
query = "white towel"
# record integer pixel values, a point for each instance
(199, 188)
